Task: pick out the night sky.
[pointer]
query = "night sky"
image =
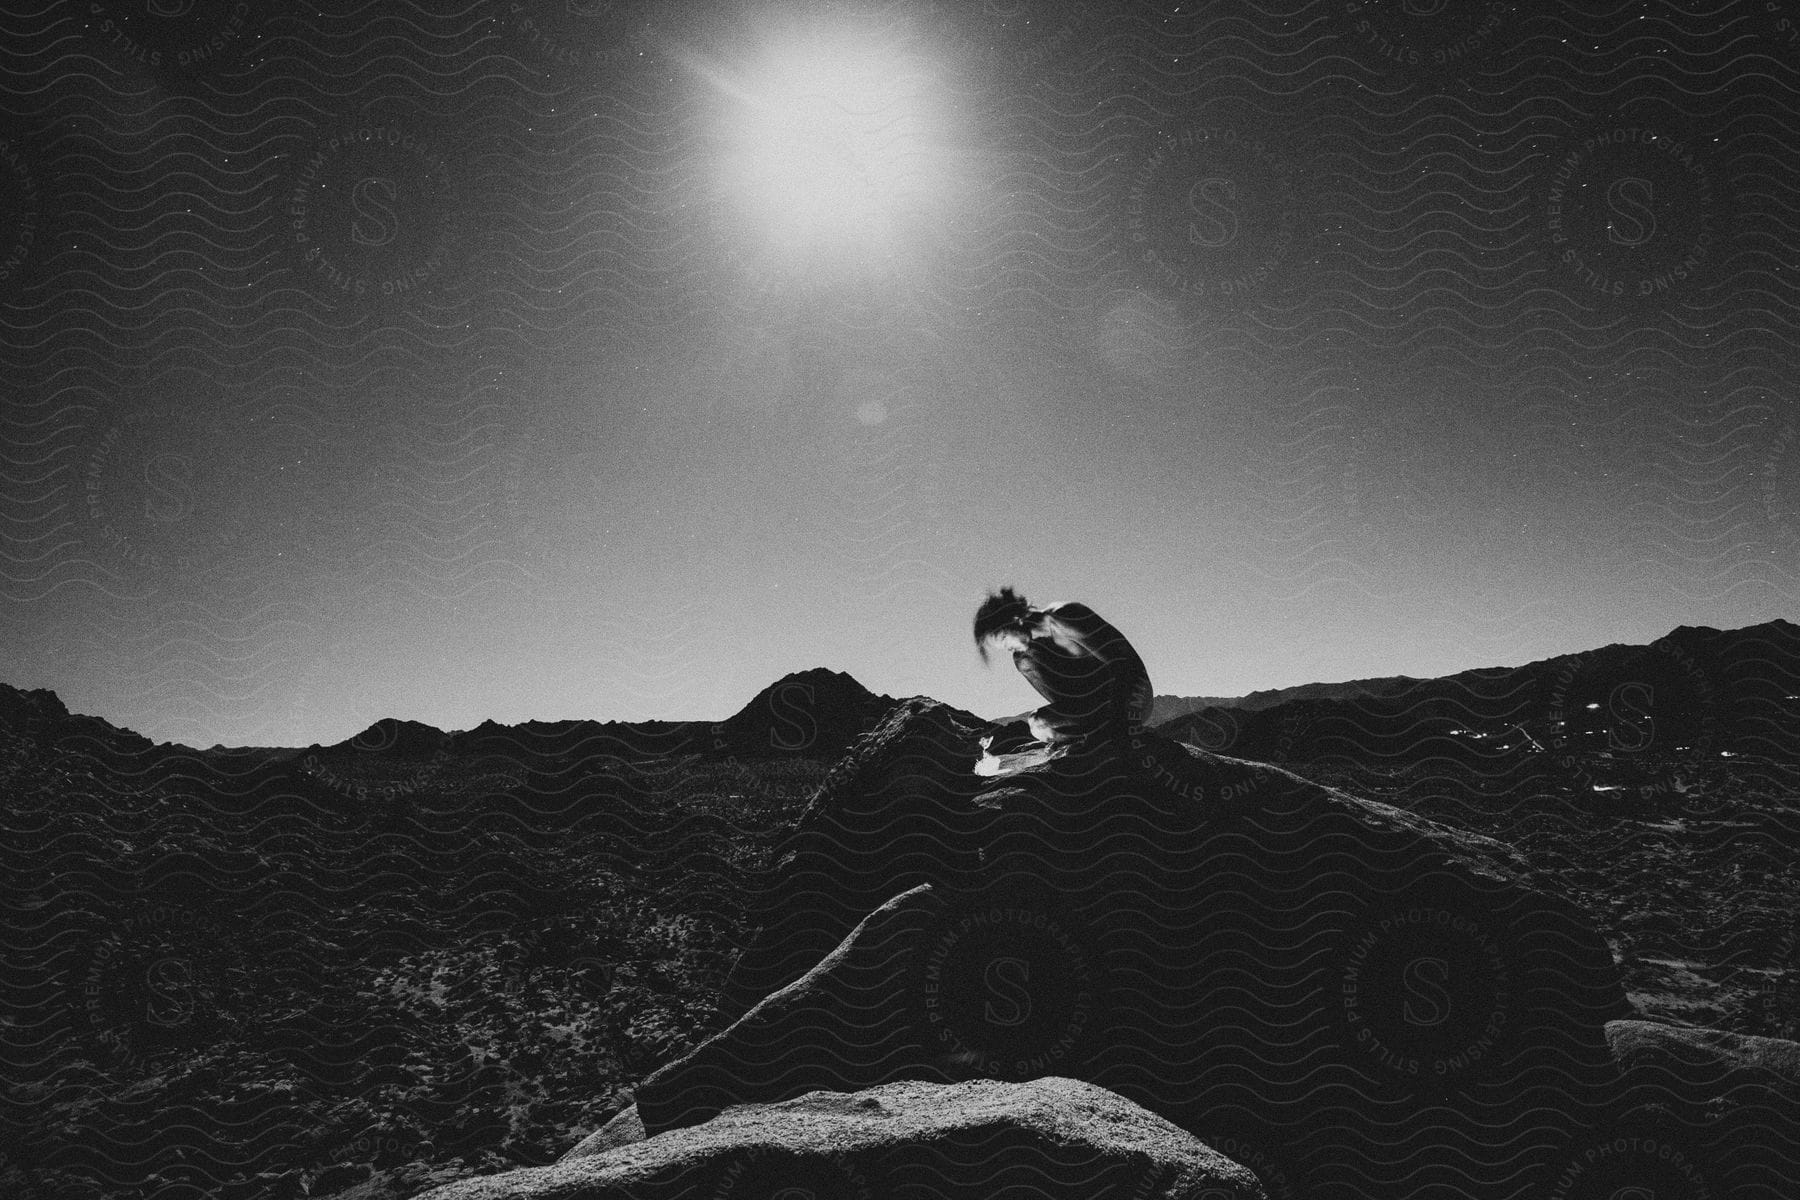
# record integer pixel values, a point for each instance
(563, 358)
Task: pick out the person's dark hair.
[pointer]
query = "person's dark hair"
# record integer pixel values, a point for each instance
(1001, 611)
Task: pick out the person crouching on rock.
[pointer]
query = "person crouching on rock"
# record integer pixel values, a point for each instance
(1095, 682)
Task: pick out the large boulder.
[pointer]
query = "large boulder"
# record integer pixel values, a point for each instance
(1366, 999)
(1693, 1114)
(1049, 1138)
(621, 1129)
(1705, 1066)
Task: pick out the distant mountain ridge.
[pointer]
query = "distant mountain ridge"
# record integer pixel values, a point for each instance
(815, 713)
(1167, 708)
(1735, 690)
(1694, 690)
(812, 714)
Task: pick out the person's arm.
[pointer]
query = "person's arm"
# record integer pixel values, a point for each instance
(1080, 630)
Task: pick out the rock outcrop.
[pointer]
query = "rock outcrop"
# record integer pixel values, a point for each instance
(1369, 1000)
(40, 715)
(1049, 1138)
(621, 1129)
(1704, 1065)
(1693, 1113)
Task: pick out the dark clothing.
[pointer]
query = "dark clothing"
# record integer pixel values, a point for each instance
(1094, 680)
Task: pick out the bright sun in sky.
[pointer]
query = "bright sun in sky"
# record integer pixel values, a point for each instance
(833, 147)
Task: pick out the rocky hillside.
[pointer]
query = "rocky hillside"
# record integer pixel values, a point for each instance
(405, 957)
(361, 969)
(1695, 691)
(1343, 995)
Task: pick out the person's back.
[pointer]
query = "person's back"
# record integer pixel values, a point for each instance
(1088, 671)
